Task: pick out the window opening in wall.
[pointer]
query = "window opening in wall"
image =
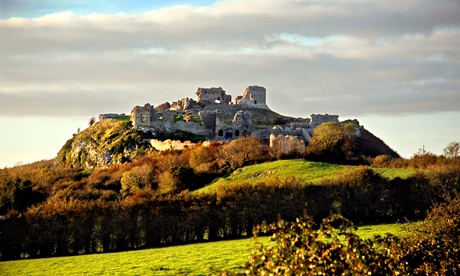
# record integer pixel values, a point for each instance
(255, 102)
(143, 118)
(251, 97)
(160, 117)
(228, 134)
(237, 132)
(221, 132)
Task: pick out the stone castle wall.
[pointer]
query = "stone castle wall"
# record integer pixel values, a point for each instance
(287, 143)
(241, 125)
(317, 119)
(107, 116)
(255, 96)
(213, 105)
(212, 94)
(143, 116)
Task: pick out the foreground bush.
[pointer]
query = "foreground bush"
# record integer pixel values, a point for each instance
(432, 247)
(301, 250)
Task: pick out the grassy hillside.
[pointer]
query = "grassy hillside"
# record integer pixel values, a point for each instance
(193, 259)
(303, 170)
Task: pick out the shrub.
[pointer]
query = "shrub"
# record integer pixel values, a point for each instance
(434, 244)
(137, 178)
(300, 250)
(241, 152)
(333, 143)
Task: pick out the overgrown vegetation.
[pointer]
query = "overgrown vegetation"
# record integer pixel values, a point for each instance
(192, 259)
(52, 209)
(103, 143)
(430, 248)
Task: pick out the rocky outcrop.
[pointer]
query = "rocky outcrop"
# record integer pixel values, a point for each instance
(103, 144)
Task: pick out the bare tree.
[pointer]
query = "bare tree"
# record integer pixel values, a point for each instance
(452, 150)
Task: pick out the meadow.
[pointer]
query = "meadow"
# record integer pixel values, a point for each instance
(192, 259)
(305, 171)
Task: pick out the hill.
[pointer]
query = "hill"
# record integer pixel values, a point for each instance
(308, 172)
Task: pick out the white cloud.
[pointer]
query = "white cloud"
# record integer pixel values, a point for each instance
(345, 49)
(353, 58)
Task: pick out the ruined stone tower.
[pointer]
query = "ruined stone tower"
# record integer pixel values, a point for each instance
(143, 115)
(254, 96)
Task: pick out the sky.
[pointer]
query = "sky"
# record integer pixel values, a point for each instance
(392, 65)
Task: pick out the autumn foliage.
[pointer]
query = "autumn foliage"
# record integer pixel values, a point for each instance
(51, 210)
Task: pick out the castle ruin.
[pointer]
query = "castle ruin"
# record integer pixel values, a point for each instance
(212, 94)
(214, 116)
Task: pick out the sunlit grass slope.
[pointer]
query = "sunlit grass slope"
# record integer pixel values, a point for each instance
(193, 259)
(305, 171)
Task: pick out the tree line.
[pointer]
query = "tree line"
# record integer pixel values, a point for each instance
(50, 209)
(75, 226)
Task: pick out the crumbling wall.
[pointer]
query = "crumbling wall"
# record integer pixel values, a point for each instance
(241, 125)
(300, 132)
(317, 119)
(287, 143)
(253, 96)
(110, 116)
(182, 104)
(208, 118)
(212, 94)
(170, 144)
(143, 116)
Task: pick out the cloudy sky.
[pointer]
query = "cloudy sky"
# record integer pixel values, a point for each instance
(393, 65)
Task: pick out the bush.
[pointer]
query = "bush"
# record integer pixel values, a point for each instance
(434, 244)
(137, 178)
(333, 143)
(300, 250)
(432, 247)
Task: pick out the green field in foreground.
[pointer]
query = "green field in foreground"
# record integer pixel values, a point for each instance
(193, 259)
(305, 171)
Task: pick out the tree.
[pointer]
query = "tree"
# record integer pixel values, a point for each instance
(332, 142)
(241, 152)
(137, 178)
(91, 121)
(423, 158)
(202, 158)
(452, 150)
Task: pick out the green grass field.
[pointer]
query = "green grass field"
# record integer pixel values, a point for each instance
(193, 259)
(305, 171)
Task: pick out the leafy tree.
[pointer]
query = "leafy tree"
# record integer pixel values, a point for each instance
(332, 142)
(137, 178)
(423, 158)
(168, 182)
(203, 159)
(241, 152)
(18, 194)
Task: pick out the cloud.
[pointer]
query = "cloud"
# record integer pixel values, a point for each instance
(344, 57)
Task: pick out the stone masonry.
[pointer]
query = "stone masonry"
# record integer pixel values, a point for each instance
(212, 105)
